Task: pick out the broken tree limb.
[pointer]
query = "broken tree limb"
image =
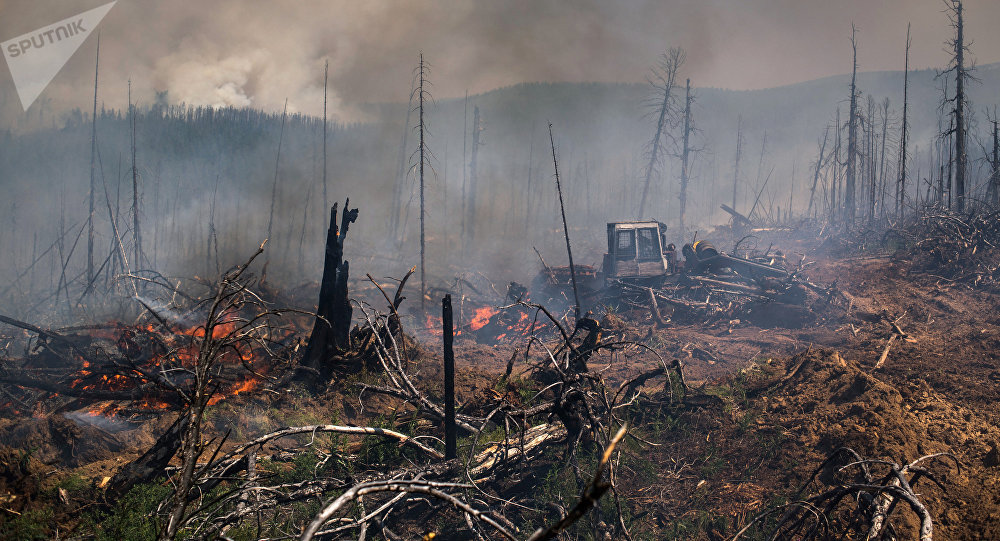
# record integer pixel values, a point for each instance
(588, 499)
(151, 464)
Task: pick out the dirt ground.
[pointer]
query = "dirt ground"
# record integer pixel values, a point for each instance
(775, 403)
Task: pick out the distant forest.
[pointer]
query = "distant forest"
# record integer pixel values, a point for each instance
(207, 177)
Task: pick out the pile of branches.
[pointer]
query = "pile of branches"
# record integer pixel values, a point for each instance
(487, 490)
(726, 292)
(958, 247)
(859, 500)
(136, 369)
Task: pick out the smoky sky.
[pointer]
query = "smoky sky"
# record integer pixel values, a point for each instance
(256, 53)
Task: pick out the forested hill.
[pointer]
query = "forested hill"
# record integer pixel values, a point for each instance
(188, 158)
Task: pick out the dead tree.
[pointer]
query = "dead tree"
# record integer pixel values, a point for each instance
(326, 74)
(397, 186)
(477, 130)
(423, 155)
(562, 210)
(331, 332)
(277, 162)
(685, 155)
(819, 165)
(881, 167)
(834, 211)
(136, 230)
(212, 346)
(993, 190)
(962, 75)
(93, 173)
(850, 189)
(739, 152)
(465, 179)
(901, 183)
(663, 82)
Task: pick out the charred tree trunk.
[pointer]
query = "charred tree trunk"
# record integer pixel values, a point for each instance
(881, 166)
(151, 464)
(850, 189)
(326, 75)
(93, 174)
(136, 231)
(901, 184)
(685, 154)
(562, 210)
(423, 159)
(960, 75)
(450, 429)
(835, 188)
(331, 332)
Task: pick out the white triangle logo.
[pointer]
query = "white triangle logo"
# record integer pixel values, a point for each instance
(35, 58)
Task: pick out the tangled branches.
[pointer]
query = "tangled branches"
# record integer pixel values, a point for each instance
(875, 496)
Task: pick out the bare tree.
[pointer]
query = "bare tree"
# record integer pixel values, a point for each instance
(423, 159)
(685, 154)
(819, 165)
(901, 183)
(477, 132)
(397, 186)
(739, 152)
(850, 189)
(274, 185)
(562, 210)
(959, 100)
(136, 230)
(663, 80)
(993, 190)
(93, 174)
(326, 74)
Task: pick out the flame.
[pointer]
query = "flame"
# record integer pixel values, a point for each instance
(482, 317)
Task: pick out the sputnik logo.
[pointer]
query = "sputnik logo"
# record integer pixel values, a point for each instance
(35, 58)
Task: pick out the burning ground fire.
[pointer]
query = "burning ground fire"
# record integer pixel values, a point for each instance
(491, 325)
(127, 370)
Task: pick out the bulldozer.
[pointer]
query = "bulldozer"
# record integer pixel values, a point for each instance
(639, 252)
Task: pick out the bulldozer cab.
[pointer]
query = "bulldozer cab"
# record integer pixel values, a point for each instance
(635, 250)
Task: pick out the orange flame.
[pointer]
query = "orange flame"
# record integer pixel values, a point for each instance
(482, 317)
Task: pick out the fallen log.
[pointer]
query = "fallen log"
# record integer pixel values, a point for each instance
(151, 464)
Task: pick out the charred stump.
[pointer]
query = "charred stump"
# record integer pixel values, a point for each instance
(330, 335)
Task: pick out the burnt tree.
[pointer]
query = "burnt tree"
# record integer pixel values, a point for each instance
(958, 111)
(852, 137)
(662, 81)
(331, 332)
(901, 183)
(685, 155)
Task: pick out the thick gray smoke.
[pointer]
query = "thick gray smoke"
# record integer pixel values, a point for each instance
(230, 52)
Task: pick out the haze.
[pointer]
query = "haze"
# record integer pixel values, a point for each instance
(226, 52)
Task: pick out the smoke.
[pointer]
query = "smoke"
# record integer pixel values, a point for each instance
(228, 52)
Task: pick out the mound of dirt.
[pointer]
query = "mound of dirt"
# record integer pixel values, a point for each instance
(824, 402)
(58, 440)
